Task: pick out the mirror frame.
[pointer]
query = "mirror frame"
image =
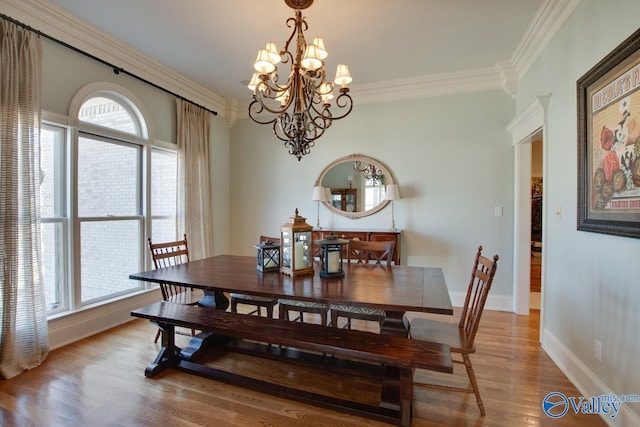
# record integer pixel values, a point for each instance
(364, 159)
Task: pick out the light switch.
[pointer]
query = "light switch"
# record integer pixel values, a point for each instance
(497, 211)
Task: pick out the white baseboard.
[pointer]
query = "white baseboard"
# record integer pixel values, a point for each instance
(84, 323)
(585, 380)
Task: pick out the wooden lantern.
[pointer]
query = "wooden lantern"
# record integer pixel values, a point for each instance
(268, 256)
(331, 256)
(296, 247)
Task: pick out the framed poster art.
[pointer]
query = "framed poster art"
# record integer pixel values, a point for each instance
(609, 143)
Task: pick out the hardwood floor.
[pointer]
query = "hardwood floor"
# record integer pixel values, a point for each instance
(536, 274)
(100, 382)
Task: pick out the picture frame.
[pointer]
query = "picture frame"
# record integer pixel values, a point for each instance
(608, 98)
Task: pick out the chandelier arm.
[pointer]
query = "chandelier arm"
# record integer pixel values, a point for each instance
(255, 109)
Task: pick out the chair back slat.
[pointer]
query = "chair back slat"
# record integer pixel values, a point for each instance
(366, 251)
(482, 275)
(169, 254)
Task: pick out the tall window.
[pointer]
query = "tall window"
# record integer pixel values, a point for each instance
(53, 209)
(96, 210)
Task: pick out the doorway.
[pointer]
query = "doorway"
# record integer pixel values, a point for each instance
(537, 194)
(525, 128)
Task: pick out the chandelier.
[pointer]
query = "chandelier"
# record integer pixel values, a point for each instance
(299, 109)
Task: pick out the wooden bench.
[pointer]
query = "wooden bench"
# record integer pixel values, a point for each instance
(396, 356)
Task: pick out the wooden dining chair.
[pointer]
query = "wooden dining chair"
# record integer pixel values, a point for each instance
(364, 252)
(168, 254)
(460, 337)
(254, 300)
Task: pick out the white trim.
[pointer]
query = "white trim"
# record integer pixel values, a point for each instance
(550, 17)
(122, 94)
(74, 326)
(587, 383)
(427, 86)
(525, 124)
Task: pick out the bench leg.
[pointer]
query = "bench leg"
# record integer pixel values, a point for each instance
(168, 355)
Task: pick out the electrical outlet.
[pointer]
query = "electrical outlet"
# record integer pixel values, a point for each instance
(597, 349)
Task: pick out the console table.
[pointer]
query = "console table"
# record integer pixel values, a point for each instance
(365, 235)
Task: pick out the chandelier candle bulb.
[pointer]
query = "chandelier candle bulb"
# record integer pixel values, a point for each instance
(343, 77)
(319, 43)
(311, 60)
(274, 55)
(263, 63)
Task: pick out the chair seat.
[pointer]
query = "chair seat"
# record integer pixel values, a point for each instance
(442, 332)
(299, 303)
(189, 297)
(254, 298)
(357, 309)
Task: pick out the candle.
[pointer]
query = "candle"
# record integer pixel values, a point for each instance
(299, 256)
(270, 263)
(333, 262)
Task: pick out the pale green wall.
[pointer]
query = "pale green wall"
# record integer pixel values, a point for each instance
(592, 287)
(451, 156)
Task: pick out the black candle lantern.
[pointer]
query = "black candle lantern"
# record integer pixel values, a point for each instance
(331, 256)
(268, 256)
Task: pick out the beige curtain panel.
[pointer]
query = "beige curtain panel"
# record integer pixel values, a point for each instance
(24, 341)
(194, 179)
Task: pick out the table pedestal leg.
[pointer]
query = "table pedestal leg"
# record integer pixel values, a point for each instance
(215, 299)
(395, 324)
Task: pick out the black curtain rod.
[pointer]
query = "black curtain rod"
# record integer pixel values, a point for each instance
(116, 70)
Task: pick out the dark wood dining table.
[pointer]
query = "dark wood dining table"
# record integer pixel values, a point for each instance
(396, 289)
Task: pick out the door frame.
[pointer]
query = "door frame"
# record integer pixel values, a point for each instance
(525, 128)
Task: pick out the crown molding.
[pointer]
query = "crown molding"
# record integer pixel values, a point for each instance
(46, 17)
(550, 17)
(427, 86)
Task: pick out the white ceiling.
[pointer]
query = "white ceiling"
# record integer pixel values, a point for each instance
(214, 42)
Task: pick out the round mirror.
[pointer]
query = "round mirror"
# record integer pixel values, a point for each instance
(355, 185)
